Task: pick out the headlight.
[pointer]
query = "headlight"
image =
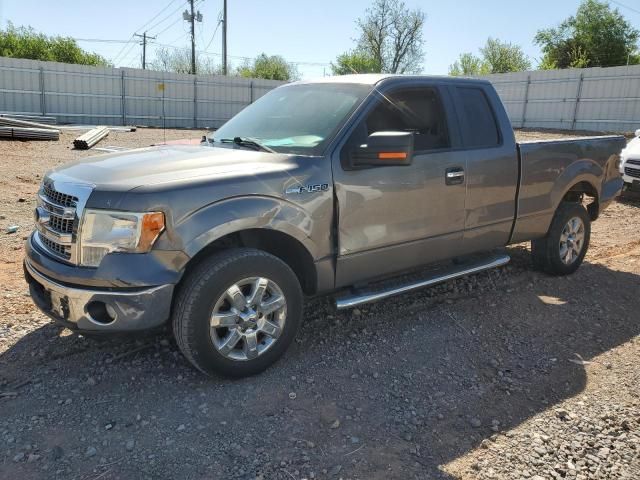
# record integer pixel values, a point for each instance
(105, 231)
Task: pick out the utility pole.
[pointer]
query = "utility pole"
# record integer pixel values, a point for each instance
(224, 38)
(192, 18)
(144, 38)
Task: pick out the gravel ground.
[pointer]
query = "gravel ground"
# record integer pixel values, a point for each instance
(509, 374)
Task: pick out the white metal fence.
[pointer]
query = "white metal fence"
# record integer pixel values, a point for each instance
(602, 99)
(123, 96)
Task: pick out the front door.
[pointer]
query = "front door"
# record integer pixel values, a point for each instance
(395, 218)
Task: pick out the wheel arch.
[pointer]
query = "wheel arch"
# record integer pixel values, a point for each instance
(279, 244)
(576, 192)
(274, 225)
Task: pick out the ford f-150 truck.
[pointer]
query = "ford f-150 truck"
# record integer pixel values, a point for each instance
(319, 187)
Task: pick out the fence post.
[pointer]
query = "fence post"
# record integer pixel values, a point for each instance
(526, 102)
(578, 96)
(195, 102)
(43, 101)
(124, 99)
(251, 91)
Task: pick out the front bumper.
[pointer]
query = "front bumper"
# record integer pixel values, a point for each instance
(85, 309)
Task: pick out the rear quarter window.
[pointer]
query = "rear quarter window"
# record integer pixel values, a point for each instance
(479, 126)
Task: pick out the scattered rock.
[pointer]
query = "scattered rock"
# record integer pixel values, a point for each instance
(56, 453)
(335, 470)
(33, 457)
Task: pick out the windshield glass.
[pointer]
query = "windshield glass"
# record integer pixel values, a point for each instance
(296, 118)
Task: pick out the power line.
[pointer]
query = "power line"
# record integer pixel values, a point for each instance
(100, 40)
(214, 32)
(173, 12)
(238, 57)
(132, 38)
(168, 27)
(201, 52)
(115, 58)
(157, 15)
(182, 35)
(625, 6)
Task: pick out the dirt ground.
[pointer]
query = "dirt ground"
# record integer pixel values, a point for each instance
(509, 374)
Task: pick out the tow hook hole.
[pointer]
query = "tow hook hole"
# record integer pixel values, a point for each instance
(100, 312)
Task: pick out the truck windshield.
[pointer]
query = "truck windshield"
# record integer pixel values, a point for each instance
(295, 118)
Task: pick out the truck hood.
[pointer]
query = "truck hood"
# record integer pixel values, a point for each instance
(632, 150)
(169, 164)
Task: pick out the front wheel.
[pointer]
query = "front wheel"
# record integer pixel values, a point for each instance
(237, 312)
(563, 249)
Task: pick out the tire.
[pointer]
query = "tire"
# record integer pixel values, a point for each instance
(222, 284)
(561, 251)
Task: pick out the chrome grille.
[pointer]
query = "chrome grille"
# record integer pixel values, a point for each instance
(633, 162)
(60, 225)
(632, 172)
(59, 198)
(58, 249)
(58, 215)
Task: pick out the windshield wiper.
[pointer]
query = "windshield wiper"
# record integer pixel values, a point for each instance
(247, 142)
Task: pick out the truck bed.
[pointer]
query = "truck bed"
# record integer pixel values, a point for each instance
(549, 168)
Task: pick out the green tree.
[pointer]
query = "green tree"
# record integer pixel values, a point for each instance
(467, 65)
(503, 57)
(178, 60)
(354, 61)
(390, 40)
(25, 42)
(495, 57)
(272, 67)
(596, 36)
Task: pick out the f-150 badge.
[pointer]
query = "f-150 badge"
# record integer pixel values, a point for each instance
(319, 187)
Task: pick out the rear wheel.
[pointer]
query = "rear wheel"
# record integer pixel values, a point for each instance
(237, 312)
(562, 250)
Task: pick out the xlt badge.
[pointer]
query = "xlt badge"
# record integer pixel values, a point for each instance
(319, 187)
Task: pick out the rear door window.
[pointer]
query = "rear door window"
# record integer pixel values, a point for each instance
(479, 125)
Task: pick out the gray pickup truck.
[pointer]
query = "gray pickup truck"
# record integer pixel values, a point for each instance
(332, 186)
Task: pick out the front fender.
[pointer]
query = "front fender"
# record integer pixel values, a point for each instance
(242, 213)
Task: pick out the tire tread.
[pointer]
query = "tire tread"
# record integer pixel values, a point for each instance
(184, 329)
(544, 251)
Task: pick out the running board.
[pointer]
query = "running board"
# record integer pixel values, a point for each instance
(373, 295)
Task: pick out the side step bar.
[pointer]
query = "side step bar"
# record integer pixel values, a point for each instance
(364, 296)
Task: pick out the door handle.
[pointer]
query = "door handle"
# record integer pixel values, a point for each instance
(454, 176)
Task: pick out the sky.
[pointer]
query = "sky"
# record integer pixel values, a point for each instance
(310, 32)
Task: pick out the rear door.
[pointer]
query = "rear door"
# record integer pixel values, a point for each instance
(491, 166)
(394, 218)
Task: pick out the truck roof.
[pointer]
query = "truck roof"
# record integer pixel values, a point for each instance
(377, 78)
